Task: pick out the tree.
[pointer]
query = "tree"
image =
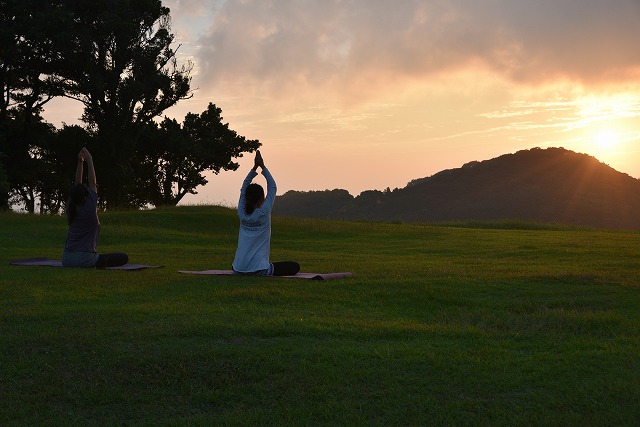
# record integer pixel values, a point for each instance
(116, 58)
(4, 189)
(28, 81)
(120, 64)
(22, 142)
(177, 156)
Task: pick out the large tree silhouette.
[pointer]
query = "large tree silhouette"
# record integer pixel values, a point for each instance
(117, 58)
(119, 62)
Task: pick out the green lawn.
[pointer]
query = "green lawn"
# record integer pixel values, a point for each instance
(439, 325)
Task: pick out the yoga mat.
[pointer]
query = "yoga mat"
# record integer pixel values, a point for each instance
(312, 276)
(57, 263)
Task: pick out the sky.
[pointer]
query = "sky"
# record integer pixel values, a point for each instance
(371, 94)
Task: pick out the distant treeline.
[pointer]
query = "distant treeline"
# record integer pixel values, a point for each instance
(116, 58)
(551, 185)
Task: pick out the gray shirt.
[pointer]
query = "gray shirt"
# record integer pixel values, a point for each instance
(84, 230)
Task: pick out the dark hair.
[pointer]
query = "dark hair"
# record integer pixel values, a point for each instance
(77, 197)
(252, 196)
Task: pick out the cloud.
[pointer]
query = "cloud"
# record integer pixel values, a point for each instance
(187, 7)
(357, 47)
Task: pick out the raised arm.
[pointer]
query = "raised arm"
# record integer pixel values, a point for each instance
(272, 189)
(91, 173)
(79, 168)
(241, 202)
(271, 183)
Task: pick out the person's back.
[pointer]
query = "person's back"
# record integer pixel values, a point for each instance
(84, 225)
(254, 237)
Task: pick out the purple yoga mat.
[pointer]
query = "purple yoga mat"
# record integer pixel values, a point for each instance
(57, 263)
(312, 276)
(37, 261)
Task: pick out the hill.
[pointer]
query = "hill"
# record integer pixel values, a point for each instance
(552, 185)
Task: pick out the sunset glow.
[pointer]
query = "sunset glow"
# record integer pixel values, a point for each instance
(607, 139)
(608, 124)
(361, 95)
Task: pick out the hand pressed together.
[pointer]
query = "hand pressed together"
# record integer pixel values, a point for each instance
(258, 161)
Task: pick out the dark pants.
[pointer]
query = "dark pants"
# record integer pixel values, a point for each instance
(285, 268)
(282, 268)
(115, 259)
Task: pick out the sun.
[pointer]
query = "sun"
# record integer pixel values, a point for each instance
(606, 139)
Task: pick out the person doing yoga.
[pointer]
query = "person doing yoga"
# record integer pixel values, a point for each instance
(84, 225)
(254, 237)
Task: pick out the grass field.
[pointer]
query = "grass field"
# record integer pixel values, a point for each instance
(440, 325)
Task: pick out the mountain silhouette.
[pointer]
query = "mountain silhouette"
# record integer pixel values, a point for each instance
(552, 185)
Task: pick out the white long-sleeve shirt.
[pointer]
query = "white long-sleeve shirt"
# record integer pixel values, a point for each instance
(254, 238)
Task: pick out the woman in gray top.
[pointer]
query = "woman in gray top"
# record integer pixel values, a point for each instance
(84, 225)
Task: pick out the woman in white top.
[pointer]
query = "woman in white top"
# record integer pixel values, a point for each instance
(254, 238)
